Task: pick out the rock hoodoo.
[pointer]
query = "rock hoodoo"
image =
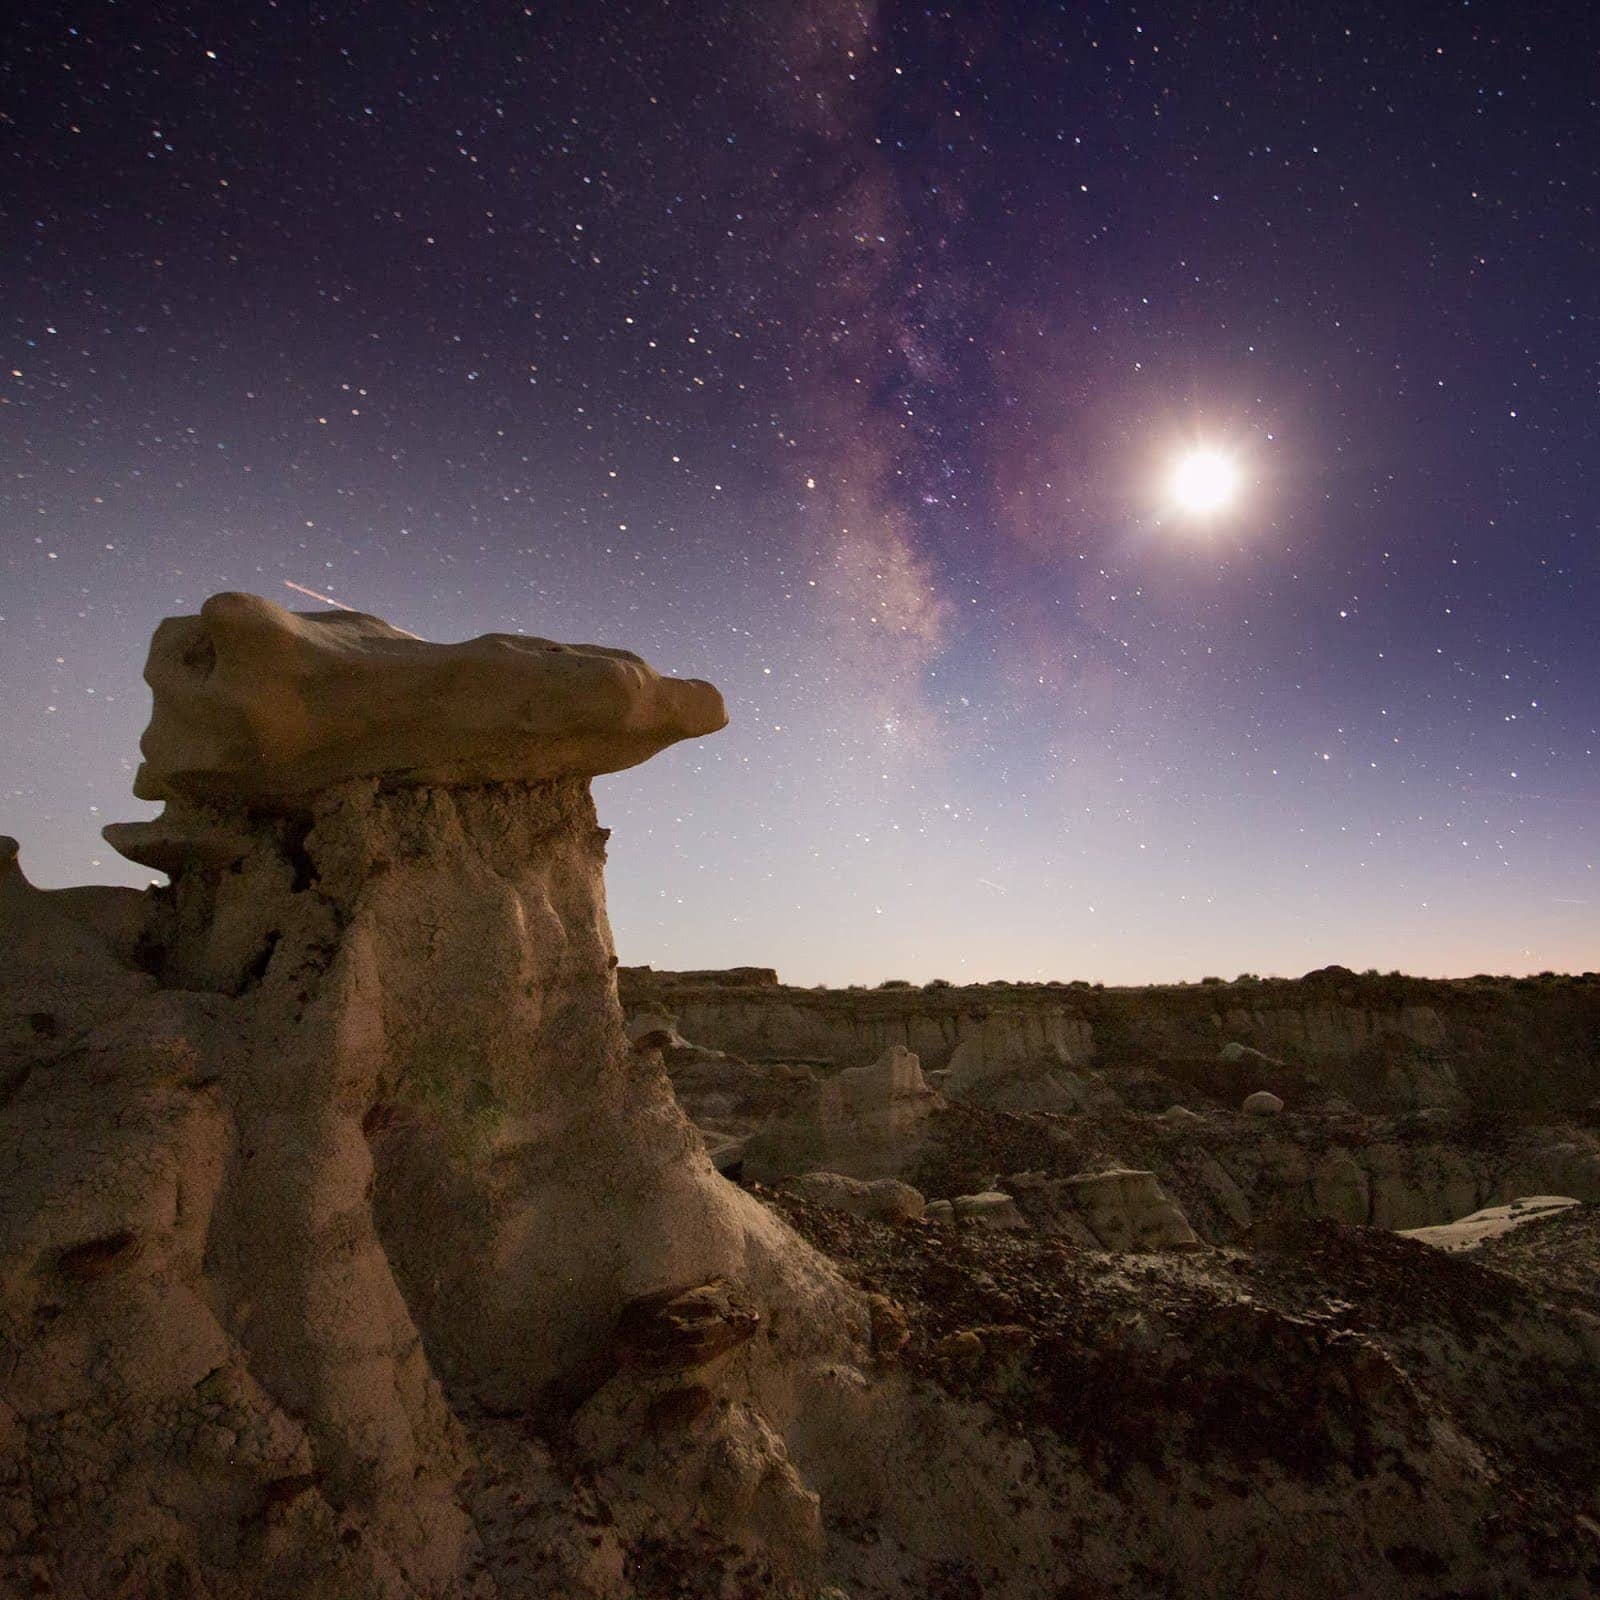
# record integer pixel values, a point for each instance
(344, 1123)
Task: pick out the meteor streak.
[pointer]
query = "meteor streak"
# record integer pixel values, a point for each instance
(338, 605)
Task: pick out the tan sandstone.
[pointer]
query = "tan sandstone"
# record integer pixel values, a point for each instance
(360, 1141)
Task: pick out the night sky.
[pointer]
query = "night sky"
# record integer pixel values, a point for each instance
(842, 354)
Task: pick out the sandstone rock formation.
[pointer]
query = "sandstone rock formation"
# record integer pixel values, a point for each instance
(886, 1199)
(259, 705)
(761, 1020)
(864, 1122)
(1385, 1045)
(1022, 1082)
(990, 1208)
(340, 1136)
(1117, 1209)
(728, 1098)
(1467, 1233)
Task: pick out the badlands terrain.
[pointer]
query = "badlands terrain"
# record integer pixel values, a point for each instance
(367, 1232)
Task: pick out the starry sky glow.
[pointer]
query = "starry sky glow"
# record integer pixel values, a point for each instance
(845, 354)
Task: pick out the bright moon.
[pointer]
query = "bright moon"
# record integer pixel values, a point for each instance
(1203, 482)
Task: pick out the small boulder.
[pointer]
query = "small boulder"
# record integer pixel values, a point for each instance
(1181, 1116)
(960, 1349)
(1262, 1103)
(882, 1199)
(890, 1330)
(991, 1209)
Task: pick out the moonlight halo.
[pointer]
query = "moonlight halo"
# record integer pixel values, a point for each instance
(1203, 482)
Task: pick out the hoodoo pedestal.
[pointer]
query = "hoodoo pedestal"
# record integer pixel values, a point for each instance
(362, 1146)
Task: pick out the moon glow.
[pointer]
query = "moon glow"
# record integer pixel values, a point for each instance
(1203, 482)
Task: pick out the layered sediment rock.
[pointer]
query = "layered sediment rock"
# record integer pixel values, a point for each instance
(266, 707)
(1385, 1044)
(357, 1145)
(864, 1122)
(1119, 1209)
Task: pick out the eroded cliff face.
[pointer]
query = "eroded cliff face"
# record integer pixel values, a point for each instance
(1384, 1043)
(1395, 1103)
(849, 1029)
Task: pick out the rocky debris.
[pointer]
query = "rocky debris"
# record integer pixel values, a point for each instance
(1262, 1103)
(885, 1199)
(1554, 1256)
(989, 1357)
(1363, 1378)
(1468, 1233)
(865, 1122)
(1114, 1210)
(961, 1349)
(890, 1330)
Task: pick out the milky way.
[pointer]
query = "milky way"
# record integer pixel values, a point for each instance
(841, 354)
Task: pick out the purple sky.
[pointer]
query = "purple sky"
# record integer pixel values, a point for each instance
(840, 353)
